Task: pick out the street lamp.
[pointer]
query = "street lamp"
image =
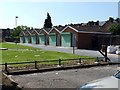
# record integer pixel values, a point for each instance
(16, 20)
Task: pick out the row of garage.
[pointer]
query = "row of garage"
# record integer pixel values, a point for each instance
(61, 36)
(54, 37)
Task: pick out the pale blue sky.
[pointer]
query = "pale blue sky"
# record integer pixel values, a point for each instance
(33, 14)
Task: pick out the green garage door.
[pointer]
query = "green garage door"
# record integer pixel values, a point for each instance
(26, 39)
(21, 39)
(34, 39)
(42, 39)
(66, 39)
(53, 39)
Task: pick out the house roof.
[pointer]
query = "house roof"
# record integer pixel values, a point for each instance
(97, 32)
(47, 29)
(60, 28)
(22, 32)
(42, 29)
(28, 31)
(35, 31)
(101, 23)
(54, 28)
(69, 27)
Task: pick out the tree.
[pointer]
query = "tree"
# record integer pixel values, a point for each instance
(48, 23)
(115, 29)
(16, 31)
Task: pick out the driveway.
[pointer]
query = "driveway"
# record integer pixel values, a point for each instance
(92, 53)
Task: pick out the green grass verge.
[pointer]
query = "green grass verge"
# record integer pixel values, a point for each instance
(19, 53)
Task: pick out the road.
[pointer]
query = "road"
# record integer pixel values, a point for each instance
(65, 78)
(92, 53)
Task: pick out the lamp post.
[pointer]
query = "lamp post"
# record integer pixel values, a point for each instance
(16, 26)
(16, 20)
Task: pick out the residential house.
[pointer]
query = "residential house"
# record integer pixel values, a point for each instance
(5, 34)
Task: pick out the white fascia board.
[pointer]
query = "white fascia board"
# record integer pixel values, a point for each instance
(51, 29)
(36, 32)
(23, 32)
(45, 31)
(73, 29)
(56, 29)
(69, 27)
(28, 32)
(94, 32)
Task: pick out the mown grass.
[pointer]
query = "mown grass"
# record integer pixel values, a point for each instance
(19, 53)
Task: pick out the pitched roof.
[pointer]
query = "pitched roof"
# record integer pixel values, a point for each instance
(60, 28)
(47, 29)
(101, 23)
(28, 31)
(22, 32)
(42, 29)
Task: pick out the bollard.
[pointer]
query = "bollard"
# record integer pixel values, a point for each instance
(59, 62)
(35, 64)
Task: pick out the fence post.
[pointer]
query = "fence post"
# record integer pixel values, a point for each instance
(97, 59)
(6, 67)
(35, 64)
(59, 63)
(79, 62)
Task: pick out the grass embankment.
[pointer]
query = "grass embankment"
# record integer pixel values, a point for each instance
(19, 53)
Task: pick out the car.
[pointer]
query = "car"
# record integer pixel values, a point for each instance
(111, 82)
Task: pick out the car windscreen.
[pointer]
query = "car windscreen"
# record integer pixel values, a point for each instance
(117, 75)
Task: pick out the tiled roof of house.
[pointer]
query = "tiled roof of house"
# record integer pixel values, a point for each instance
(47, 29)
(60, 28)
(101, 23)
(38, 30)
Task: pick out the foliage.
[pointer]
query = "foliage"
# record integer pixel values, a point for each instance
(48, 23)
(16, 31)
(115, 29)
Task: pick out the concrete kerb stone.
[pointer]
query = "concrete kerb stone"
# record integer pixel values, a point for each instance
(12, 82)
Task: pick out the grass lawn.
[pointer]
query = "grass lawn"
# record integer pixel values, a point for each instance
(19, 53)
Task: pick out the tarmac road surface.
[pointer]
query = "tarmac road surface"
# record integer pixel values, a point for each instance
(65, 78)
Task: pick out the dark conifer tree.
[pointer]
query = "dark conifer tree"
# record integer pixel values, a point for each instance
(48, 23)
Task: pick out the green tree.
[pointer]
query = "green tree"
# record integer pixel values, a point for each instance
(48, 23)
(16, 31)
(115, 29)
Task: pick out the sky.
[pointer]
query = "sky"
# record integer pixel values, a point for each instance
(33, 14)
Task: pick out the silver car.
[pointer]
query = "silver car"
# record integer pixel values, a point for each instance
(107, 83)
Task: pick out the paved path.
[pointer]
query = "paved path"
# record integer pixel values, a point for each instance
(92, 53)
